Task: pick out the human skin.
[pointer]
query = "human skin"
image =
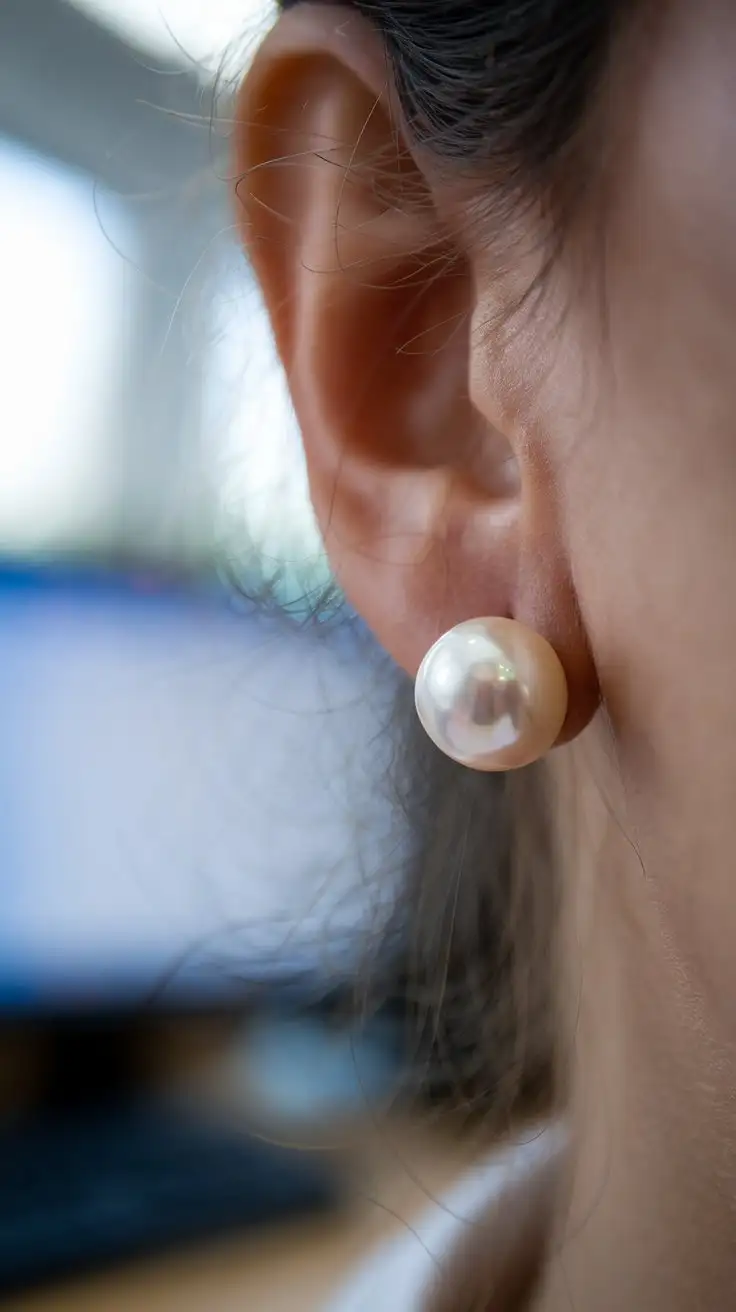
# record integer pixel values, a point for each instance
(572, 466)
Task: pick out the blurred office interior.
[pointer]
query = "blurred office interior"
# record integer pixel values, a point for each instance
(197, 841)
(146, 433)
(142, 407)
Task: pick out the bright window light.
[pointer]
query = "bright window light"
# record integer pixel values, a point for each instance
(199, 31)
(264, 503)
(61, 334)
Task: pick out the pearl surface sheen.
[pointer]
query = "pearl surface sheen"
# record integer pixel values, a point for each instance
(492, 694)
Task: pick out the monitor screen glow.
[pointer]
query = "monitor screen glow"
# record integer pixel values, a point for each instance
(182, 793)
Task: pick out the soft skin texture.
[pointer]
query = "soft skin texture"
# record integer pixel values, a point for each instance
(575, 470)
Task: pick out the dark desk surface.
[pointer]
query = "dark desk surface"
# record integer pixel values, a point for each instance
(294, 1269)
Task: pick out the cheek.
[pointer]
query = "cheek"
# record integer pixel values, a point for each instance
(648, 480)
(646, 433)
(648, 500)
(675, 199)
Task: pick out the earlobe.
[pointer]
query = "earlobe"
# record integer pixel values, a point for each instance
(372, 299)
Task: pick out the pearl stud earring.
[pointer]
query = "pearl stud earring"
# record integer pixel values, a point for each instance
(492, 694)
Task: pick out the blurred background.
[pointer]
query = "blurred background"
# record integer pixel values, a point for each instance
(143, 416)
(199, 851)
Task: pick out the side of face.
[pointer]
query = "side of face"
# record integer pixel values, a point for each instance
(576, 469)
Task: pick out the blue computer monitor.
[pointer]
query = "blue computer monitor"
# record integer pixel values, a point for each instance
(183, 788)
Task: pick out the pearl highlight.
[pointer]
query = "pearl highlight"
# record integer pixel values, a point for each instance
(492, 694)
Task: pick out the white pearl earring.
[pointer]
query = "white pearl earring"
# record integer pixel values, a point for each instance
(492, 694)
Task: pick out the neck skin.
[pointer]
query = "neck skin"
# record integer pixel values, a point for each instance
(651, 1221)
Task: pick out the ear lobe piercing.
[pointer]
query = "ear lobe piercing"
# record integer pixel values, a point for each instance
(492, 694)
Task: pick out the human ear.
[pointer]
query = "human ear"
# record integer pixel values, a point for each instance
(431, 508)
